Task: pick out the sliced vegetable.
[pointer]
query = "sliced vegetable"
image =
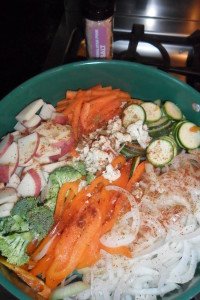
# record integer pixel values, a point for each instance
(130, 150)
(172, 111)
(69, 290)
(187, 136)
(153, 111)
(135, 163)
(160, 152)
(132, 114)
(164, 129)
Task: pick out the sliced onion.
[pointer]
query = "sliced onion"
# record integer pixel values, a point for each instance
(43, 252)
(122, 233)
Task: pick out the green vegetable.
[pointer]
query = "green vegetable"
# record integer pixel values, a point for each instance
(71, 289)
(23, 206)
(60, 176)
(89, 178)
(40, 220)
(13, 247)
(13, 224)
(38, 217)
(64, 174)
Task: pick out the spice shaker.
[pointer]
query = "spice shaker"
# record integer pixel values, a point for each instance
(98, 28)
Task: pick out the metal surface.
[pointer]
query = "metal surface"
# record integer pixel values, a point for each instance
(168, 17)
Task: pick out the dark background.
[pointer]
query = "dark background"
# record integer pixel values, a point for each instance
(26, 34)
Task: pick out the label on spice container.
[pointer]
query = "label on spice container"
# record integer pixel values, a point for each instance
(99, 38)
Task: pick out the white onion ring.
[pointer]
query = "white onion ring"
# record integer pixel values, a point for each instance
(43, 252)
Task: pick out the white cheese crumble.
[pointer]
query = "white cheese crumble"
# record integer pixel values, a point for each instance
(110, 173)
(139, 132)
(82, 184)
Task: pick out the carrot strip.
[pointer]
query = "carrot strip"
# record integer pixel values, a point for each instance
(118, 161)
(73, 245)
(70, 94)
(136, 175)
(122, 250)
(76, 117)
(62, 196)
(35, 283)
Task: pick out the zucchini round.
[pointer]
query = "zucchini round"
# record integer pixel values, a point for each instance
(160, 152)
(153, 111)
(188, 135)
(132, 114)
(172, 111)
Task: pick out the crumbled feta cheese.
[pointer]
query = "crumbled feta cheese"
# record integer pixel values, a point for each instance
(97, 159)
(114, 125)
(110, 173)
(139, 132)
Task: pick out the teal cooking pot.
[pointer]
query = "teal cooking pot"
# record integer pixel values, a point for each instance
(140, 81)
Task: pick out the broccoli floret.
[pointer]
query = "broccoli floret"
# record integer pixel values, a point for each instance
(23, 206)
(13, 224)
(40, 221)
(64, 174)
(80, 167)
(38, 217)
(51, 197)
(89, 177)
(13, 247)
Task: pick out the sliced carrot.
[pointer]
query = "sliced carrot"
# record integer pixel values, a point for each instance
(72, 246)
(118, 161)
(62, 197)
(76, 119)
(122, 250)
(122, 181)
(91, 254)
(35, 283)
(70, 94)
(136, 175)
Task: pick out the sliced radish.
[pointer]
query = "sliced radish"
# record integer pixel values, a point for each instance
(5, 143)
(33, 122)
(46, 149)
(46, 111)
(59, 118)
(27, 147)
(29, 163)
(51, 167)
(43, 159)
(30, 184)
(5, 209)
(65, 146)
(14, 181)
(16, 135)
(8, 194)
(9, 162)
(19, 127)
(30, 110)
(18, 171)
(34, 165)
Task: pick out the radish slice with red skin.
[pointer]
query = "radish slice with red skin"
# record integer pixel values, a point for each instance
(59, 118)
(65, 146)
(19, 127)
(9, 162)
(51, 167)
(30, 110)
(14, 181)
(5, 143)
(46, 111)
(33, 122)
(27, 147)
(16, 135)
(30, 184)
(7, 195)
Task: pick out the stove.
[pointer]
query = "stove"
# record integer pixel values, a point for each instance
(152, 32)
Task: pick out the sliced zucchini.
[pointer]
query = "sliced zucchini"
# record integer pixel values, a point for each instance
(132, 150)
(174, 144)
(161, 122)
(135, 163)
(153, 111)
(132, 114)
(172, 111)
(164, 129)
(188, 135)
(160, 152)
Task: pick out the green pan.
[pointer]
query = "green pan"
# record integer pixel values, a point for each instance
(140, 81)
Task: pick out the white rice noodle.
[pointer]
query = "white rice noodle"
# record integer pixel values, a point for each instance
(154, 291)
